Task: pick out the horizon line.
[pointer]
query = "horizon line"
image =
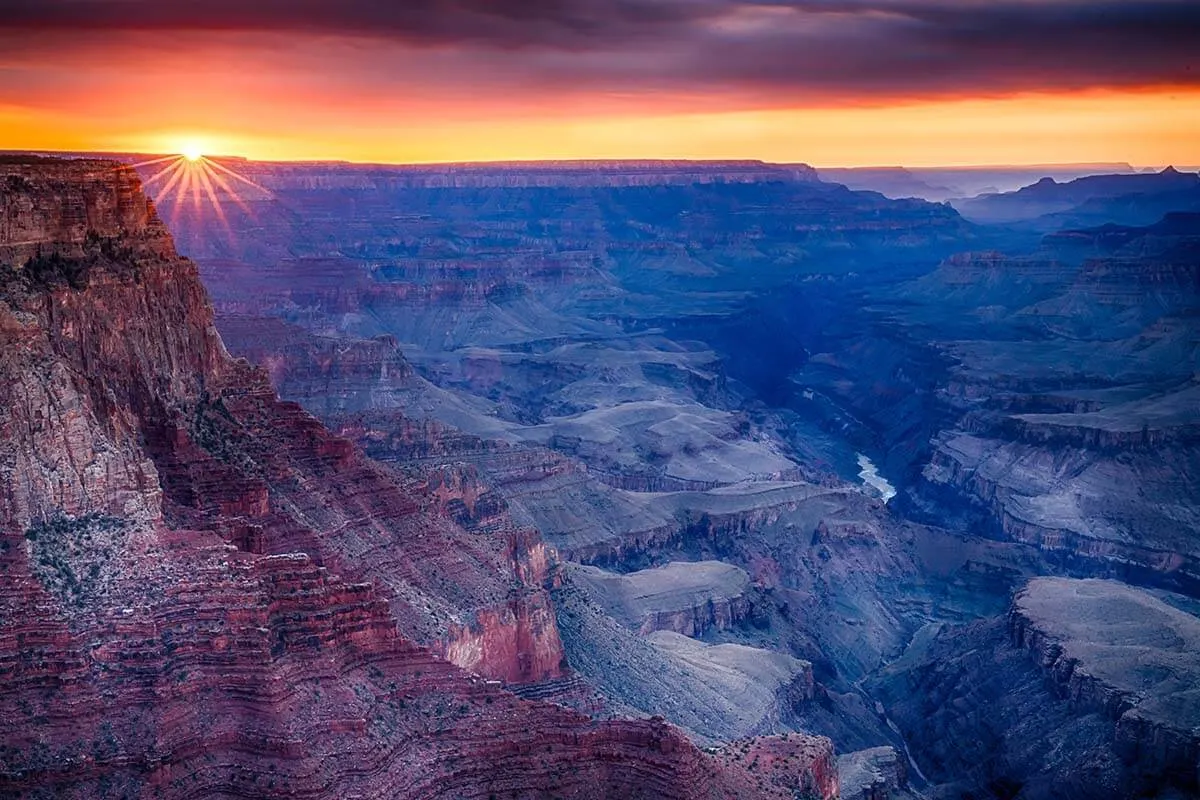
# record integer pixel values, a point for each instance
(582, 161)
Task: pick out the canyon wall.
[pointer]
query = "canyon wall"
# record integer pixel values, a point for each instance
(1094, 671)
(658, 369)
(208, 594)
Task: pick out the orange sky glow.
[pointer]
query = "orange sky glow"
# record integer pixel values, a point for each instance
(361, 100)
(1145, 128)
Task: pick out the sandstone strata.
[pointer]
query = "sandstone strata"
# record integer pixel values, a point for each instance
(686, 598)
(682, 371)
(208, 594)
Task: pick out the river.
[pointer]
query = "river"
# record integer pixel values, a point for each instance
(870, 477)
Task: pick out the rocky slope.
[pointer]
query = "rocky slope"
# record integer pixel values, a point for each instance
(226, 454)
(208, 594)
(689, 598)
(1114, 649)
(1093, 671)
(875, 774)
(1094, 462)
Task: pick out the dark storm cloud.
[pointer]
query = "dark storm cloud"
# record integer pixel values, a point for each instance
(805, 46)
(501, 23)
(934, 46)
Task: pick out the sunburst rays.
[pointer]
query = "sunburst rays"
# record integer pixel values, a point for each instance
(190, 186)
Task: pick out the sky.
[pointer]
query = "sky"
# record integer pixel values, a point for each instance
(827, 82)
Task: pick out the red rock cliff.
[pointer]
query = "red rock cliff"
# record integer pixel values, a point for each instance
(123, 333)
(206, 594)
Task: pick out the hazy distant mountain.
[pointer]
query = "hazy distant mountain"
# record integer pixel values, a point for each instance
(1138, 199)
(945, 183)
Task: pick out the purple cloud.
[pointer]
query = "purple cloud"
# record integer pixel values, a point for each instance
(805, 47)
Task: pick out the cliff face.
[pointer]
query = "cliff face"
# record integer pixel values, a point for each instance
(1093, 674)
(327, 376)
(208, 594)
(1108, 491)
(547, 174)
(50, 207)
(90, 369)
(1086, 637)
(688, 598)
(227, 455)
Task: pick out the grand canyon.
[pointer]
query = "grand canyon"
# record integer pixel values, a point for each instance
(596, 479)
(599, 400)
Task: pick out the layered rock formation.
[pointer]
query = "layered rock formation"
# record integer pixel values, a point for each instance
(1113, 649)
(1092, 671)
(1094, 463)
(875, 774)
(688, 598)
(1045, 398)
(208, 594)
(226, 453)
(694, 370)
(516, 175)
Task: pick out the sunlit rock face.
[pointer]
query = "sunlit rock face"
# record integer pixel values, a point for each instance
(207, 593)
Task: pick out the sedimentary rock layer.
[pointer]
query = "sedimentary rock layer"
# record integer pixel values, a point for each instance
(1111, 648)
(206, 594)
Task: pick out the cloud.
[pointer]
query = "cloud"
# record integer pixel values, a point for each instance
(497, 23)
(922, 47)
(800, 48)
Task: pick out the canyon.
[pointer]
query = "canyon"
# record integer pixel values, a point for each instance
(208, 594)
(617, 479)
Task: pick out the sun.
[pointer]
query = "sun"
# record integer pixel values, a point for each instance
(181, 182)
